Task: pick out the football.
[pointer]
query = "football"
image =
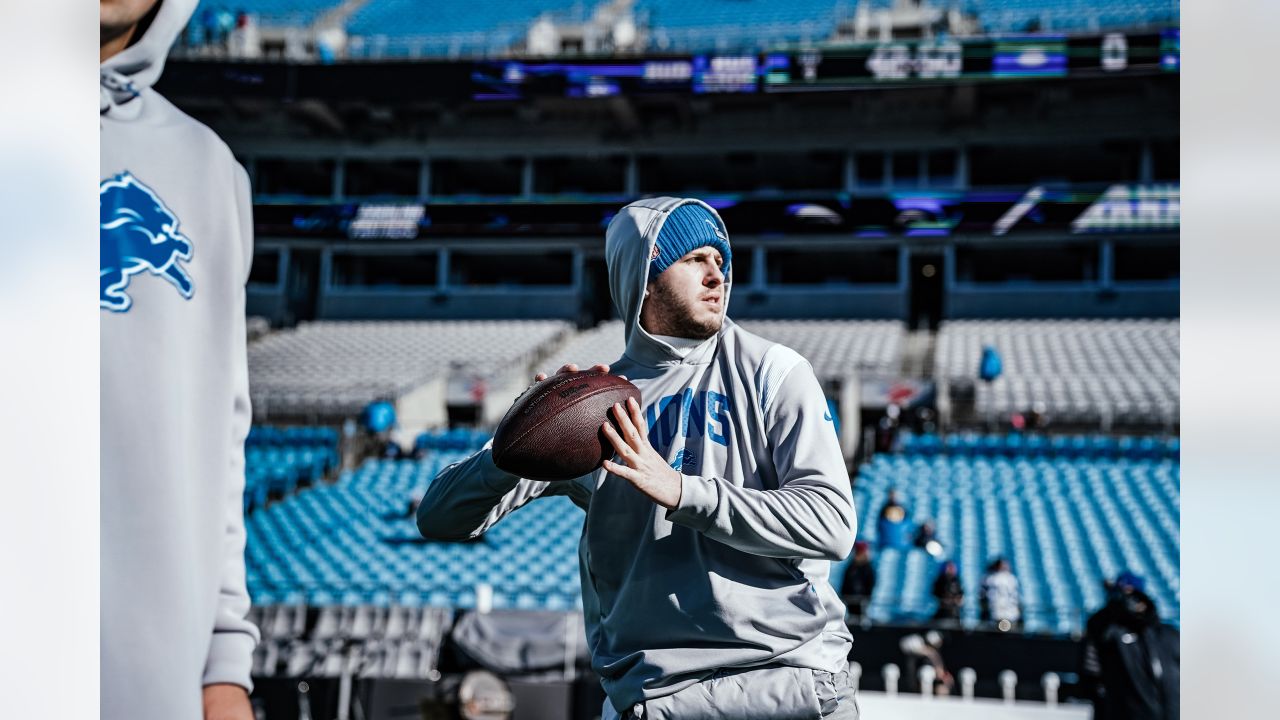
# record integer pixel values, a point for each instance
(552, 431)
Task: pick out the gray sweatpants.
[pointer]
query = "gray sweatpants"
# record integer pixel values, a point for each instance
(768, 693)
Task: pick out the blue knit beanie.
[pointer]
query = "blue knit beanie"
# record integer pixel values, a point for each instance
(1131, 579)
(688, 228)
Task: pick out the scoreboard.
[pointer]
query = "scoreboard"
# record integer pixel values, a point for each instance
(846, 67)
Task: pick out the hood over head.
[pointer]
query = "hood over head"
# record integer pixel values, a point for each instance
(630, 243)
(124, 76)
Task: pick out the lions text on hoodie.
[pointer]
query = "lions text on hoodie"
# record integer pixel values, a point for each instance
(176, 245)
(735, 576)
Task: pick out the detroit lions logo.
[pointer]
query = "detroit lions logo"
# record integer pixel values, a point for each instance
(686, 462)
(138, 232)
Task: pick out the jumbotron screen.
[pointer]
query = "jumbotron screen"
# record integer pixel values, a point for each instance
(833, 68)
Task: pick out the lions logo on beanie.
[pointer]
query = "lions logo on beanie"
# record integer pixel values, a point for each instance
(688, 228)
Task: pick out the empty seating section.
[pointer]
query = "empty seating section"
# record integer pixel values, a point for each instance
(356, 543)
(1067, 514)
(601, 344)
(384, 642)
(1082, 371)
(296, 13)
(279, 459)
(335, 368)
(428, 17)
(834, 347)
(1072, 15)
(1067, 511)
(703, 24)
(1057, 446)
(458, 438)
(437, 28)
(493, 26)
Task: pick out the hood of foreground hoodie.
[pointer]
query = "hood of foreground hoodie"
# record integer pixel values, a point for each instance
(124, 76)
(628, 250)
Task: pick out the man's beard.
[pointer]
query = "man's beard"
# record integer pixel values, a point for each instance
(679, 317)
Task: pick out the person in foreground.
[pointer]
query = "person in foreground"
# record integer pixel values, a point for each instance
(176, 245)
(709, 538)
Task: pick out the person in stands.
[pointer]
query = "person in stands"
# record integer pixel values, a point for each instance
(1001, 603)
(892, 528)
(859, 580)
(949, 592)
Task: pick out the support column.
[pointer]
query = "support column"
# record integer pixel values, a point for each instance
(442, 270)
(1106, 264)
(631, 180)
(526, 178)
(758, 277)
(339, 179)
(424, 179)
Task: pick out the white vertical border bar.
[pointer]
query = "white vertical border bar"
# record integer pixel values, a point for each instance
(49, 360)
(1230, 343)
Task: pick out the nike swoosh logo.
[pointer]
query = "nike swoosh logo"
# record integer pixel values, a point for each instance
(716, 229)
(827, 416)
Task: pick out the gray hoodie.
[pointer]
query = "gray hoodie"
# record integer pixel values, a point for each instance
(176, 244)
(733, 578)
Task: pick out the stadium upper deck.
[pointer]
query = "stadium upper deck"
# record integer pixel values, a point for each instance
(325, 29)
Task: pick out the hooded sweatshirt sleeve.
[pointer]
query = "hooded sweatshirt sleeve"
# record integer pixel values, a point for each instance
(469, 497)
(810, 515)
(230, 655)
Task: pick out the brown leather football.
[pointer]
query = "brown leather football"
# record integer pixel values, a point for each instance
(552, 431)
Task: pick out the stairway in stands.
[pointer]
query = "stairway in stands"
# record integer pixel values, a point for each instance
(337, 16)
(917, 354)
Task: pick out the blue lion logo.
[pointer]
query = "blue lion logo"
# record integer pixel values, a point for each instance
(686, 461)
(139, 232)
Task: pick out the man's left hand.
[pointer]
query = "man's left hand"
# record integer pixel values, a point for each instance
(643, 467)
(225, 701)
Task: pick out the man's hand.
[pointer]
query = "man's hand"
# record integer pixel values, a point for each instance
(572, 368)
(644, 467)
(225, 701)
